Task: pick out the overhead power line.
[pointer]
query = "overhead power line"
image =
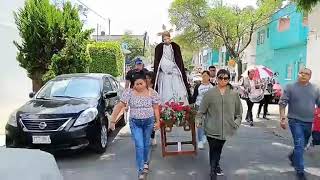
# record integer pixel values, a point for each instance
(96, 13)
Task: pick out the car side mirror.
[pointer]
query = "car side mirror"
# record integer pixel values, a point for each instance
(109, 94)
(32, 94)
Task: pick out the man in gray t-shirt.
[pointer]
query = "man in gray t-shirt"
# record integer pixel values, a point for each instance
(302, 97)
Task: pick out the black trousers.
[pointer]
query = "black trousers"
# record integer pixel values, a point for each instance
(153, 134)
(265, 102)
(215, 149)
(249, 116)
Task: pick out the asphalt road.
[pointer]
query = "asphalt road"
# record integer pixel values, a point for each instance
(255, 153)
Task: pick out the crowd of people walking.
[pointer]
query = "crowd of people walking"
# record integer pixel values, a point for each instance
(218, 104)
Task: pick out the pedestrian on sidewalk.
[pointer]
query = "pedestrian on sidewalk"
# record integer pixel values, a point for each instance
(197, 97)
(150, 83)
(222, 110)
(301, 97)
(144, 111)
(252, 92)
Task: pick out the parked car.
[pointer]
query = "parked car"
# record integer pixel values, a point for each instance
(69, 112)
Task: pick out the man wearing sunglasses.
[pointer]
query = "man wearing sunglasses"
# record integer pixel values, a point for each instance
(301, 97)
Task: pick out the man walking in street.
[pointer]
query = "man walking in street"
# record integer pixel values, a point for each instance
(213, 73)
(301, 97)
(139, 66)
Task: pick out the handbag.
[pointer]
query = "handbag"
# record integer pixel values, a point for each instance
(257, 95)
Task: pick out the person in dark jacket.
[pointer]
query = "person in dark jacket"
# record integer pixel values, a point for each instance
(130, 76)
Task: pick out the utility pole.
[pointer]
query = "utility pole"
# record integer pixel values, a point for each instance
(144, 42)
(109, 22)
(97, 32)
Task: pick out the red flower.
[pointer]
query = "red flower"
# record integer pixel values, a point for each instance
(179, 108)
(187, 108)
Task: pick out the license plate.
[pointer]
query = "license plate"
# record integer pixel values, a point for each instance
(41, 140)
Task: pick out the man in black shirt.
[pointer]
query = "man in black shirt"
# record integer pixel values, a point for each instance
(139, 66)
(213, 72)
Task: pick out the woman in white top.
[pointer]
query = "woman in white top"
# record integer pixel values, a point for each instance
(253, 92)
(198, 94)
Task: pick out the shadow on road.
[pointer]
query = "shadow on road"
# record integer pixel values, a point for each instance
(87, 152)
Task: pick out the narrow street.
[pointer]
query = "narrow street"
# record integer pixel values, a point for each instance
(255, 153)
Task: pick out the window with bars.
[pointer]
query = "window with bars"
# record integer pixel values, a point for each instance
(261, 36)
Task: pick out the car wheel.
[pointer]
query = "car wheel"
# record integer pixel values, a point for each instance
(9, 142)
(101, 141)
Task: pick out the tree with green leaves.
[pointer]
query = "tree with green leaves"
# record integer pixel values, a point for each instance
(135, 45)
(217, 24)
(52, 41)
(306, 5)
(187, 50)
(106, 58)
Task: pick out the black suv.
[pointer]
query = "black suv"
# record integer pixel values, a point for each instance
(71, 111)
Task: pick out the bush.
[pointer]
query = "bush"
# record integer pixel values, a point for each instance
(53, 41)
(106, 58)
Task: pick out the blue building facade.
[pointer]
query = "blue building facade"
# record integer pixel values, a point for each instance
(215, 57)
(282, 44)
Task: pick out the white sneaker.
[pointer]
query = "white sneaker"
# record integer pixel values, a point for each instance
(200, 145)
(154, 142)
(204, 140)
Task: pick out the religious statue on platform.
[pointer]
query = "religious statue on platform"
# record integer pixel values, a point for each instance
(171, 81)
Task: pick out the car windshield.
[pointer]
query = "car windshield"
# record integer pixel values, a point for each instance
(70, 88)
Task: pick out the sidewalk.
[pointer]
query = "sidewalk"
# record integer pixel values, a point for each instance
(2, 140)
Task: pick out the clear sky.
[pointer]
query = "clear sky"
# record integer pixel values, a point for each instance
(136, 15)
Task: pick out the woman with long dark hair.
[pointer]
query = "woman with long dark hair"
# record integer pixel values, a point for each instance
(222, 111)
(144, 111)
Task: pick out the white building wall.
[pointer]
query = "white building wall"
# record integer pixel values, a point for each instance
(14, 83)
(249, 54)
(313, 46)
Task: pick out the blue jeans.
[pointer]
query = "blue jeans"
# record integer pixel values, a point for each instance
(201, 135)
(301, 132)
(141, 130)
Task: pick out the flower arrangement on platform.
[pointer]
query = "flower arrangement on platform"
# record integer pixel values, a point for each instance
(178, 114)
